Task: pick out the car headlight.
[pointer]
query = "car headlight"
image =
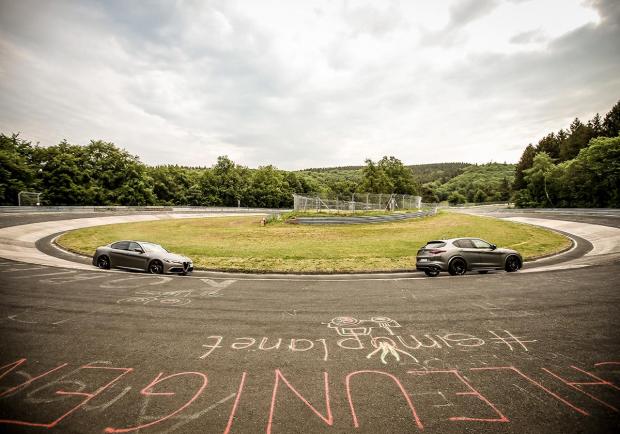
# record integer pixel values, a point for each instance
(173, 261)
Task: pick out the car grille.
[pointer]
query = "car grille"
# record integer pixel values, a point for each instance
(185, 266)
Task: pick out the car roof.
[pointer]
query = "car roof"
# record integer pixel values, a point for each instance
(449, 240)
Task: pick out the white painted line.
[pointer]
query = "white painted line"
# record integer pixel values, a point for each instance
(604, 239)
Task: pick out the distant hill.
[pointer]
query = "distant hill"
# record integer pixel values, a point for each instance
(424, 173)
(441, 172)
(481, 183)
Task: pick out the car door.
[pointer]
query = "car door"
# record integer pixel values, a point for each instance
(488, 257)
(118, 254)
(469, 251)
(136, 256)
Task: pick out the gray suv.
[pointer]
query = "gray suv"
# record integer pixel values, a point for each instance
(459, 255)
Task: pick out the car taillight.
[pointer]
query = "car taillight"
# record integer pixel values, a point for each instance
(436, 251)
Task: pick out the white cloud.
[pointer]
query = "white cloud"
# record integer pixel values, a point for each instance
(306, 84)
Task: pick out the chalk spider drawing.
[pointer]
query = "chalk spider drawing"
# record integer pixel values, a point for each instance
(388, 348)
(349, 326)
(164, 301)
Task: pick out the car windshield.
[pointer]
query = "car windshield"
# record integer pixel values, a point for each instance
(151, 247)
(434, 244)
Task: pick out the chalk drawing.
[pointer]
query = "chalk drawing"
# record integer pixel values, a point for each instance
(387, 347)
(349, 326)
(56, 273)
(116, 283)
(148, 391)
(356, 424)
(577, 385)
(87, 397)
(166, 298)
(534, 382)
(72, 278)
(219, 286)
(328, 419)
(510, 339)
(163, 392)
(471, 391)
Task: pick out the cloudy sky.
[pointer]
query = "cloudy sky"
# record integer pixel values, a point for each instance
(306, 83)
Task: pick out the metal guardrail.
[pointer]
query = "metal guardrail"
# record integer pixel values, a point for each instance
(360, 219)
(356, 202)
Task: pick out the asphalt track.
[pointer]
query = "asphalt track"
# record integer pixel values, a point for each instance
(91, 351)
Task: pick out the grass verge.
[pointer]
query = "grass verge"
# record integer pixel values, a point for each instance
(242, 244)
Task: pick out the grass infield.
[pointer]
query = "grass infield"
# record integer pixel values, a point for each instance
(242, 244)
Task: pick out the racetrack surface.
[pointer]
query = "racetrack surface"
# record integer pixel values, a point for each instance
(92, 351)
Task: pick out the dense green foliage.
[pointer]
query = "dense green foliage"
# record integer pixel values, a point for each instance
(574, 167)
(480, 183)
(579, 167)
(102, 174)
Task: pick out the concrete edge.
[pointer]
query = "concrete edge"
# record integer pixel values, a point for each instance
(384, 274)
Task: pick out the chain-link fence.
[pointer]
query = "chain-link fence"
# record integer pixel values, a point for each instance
(357, 202)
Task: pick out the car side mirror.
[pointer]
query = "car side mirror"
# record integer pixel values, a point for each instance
(493, 247)
(138, 250)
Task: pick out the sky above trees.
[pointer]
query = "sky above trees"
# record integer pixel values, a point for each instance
(306, 84)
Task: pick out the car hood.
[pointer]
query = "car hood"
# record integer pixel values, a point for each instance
(175, 257)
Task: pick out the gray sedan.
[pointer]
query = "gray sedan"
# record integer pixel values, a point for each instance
(459, 255)
(141, 255)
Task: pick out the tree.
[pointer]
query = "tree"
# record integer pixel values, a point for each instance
(456, 198)
(63, 176)
(526, 161)
(115, 176)
(505, 190)
(598, 184)
(225, 183)
(268, 188)
(375, 180)
(611, 123)
(596, 124)
(578, 138)
(18, 171)
(401, 177)
(480, 196)
(538, 179)
(549, 144)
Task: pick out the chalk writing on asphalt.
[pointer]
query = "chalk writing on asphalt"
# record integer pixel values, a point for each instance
(377, 337)
(168, 400)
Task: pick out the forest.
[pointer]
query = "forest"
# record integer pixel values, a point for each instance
(101, 173)
(576, 167)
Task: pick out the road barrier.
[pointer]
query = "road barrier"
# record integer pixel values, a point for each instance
(335, 220)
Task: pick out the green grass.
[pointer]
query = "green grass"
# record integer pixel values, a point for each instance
(241, 243)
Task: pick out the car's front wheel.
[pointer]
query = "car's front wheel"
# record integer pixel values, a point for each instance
(156, 267)
(103, 262)
(512, 264)
(458, 267)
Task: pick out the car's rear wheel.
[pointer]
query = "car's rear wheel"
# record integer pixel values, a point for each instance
(156, 267)
(512, 264)
(432, 272)
(103, 262)
(458, 267)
